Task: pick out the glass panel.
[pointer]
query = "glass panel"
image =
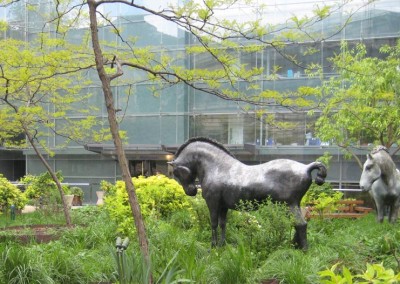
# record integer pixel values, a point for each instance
(212, 126)
(142, 130)
(173, 129)
(252, 60)
(95, 168)
(292, 61)
(207, 103)
(288, 129)
(35, 166)
(173, 99)
(225, 128)
(138, 99)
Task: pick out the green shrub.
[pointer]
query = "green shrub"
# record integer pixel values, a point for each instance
(321, 197)
(265, 226)
(10, 195)
(158, 196)
(43, 188)
(76, 191)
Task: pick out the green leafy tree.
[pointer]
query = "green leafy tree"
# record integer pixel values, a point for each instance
(361, 104)
(37, 92)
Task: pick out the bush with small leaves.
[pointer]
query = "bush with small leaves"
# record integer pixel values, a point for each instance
(266, 225)
(43, 187)
(10, 195)
(158, 196)
(322, 198)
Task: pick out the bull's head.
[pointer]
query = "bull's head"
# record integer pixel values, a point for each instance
(371, 173)
(185, 177)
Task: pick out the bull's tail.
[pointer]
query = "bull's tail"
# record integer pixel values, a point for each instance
(321, 174)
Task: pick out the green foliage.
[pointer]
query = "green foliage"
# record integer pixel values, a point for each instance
(290, 266)
(85, 254)
(357, 110)
(236, 267)
(158, 196)
(131, 267)
(39, 186)
(64, 268)
(266, 225)
(386, 248)
(200, 215)
(10, 195)
(44, 66)
(17, 267)
(76, 191)
(325, 159)
(43, 189)
(375, 273)
(321, 197)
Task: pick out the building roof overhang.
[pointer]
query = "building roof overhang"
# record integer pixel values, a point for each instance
(135, 151)
(245, 151)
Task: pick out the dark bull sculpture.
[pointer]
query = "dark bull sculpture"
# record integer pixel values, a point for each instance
(382, 180)
(225, 181)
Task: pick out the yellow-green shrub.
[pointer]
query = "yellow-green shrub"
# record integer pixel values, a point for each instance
(158, 196)
(10, 195)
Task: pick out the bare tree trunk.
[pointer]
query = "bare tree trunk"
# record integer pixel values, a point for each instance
(114, 127)
(52, 174)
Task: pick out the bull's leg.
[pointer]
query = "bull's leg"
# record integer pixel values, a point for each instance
(214, 225)
(380, 210)
(300, 234)
(394, 211)
(222, 224)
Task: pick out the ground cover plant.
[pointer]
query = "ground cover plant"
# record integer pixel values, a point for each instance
(258, 248)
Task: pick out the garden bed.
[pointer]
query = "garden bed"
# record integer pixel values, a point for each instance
(42, 233)
(347, 209)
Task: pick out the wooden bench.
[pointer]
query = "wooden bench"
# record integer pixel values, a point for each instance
(345, 209)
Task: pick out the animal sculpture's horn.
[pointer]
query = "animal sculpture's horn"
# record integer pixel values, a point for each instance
(172, 163)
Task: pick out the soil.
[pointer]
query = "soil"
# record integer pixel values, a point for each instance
(270, 281)
(32, 233)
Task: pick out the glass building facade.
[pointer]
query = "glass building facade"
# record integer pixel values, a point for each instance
(156, 124)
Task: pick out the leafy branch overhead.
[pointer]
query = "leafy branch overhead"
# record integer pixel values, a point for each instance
(38, 87)
(222, 39)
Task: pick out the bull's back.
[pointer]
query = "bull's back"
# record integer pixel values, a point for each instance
(281, 180)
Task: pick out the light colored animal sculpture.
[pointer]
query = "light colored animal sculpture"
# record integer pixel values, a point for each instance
(382, 180)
